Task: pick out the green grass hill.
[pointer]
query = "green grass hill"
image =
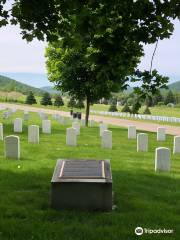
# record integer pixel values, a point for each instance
(11, 85)
(175, 87)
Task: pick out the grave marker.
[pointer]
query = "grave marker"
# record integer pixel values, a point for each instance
(131, 132)
(33, 134)
(106, 141)
(12, 147)
(161, 134)
(142, 142)
(71, 137)
(18, 125)
(176, 148)
(162, 159)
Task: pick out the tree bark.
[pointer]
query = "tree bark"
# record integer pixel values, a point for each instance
(87, 111)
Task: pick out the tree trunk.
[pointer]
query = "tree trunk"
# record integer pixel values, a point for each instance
(87, 111)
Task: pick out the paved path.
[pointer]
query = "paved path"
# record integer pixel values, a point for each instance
(146, 126)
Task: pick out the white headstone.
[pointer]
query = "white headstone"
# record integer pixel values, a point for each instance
(176, 148)
(131, 132)
(12, 147)
(106, 141)
(26, 116)
(71, 137)
(162, 159)
(102, 128)
(83, 122)
(142, 142)
(46, 126)
(161, 134)
(1, 131)
(33, 134)
(76, 125)
(91, 123)
(18, 125)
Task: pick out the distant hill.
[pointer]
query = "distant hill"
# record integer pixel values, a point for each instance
(50, 89)
(175, 87)
(11, 85)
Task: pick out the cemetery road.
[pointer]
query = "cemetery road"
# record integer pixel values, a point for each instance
(140, 125)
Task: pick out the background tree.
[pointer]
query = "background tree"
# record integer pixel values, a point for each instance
(30, 99)
(109, 37)
(71, 103)
(169, 98)
(147, 110)
(73, 73)
(46, 99)
(126, 108)
(80, 104)
(150, 84)
(58, 101)
(157, 98)
(113, 107)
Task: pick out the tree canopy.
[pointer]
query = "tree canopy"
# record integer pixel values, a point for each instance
(103, 40)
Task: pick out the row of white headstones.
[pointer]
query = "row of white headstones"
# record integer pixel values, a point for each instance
(162, 154)
(12, 142)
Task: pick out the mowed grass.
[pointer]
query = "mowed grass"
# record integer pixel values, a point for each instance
(141, 196)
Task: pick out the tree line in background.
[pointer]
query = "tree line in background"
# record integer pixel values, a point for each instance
(94, 46)
(127, 100)
(46, 100)
(131, 102)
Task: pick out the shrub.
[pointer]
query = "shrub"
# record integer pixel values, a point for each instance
(171, 105)
(46, 99)
(30, 99)
(135, 107)
(147, 110)
(113, 108)
(80, 104)
(160, 103)
(71, 103)
(58, 101)
(126, 108)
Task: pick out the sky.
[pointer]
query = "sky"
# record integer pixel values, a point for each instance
(25, 62)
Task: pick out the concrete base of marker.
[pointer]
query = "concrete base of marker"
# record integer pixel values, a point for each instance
(81, 194)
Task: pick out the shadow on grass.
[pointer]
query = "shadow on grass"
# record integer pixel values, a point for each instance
(141, 198)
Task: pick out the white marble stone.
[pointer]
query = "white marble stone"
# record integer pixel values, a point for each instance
(1, 131)
(91, 123)
(142, 142)
(102, 128)
(162, 159)
(161, 134)
(71, 137)
(46, 126)
(33, 134)
(76, 125)
(176, 147)
(106, 141)
(83, 122)
(26, 116)
(18, 125)
(12, 147)
(131, 132)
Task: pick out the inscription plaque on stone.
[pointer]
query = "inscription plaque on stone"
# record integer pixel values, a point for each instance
(82, 184)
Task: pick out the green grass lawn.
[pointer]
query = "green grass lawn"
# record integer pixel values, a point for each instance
(142, 197)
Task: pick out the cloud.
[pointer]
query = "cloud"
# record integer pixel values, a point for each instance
(16, 55)
(166, 59)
